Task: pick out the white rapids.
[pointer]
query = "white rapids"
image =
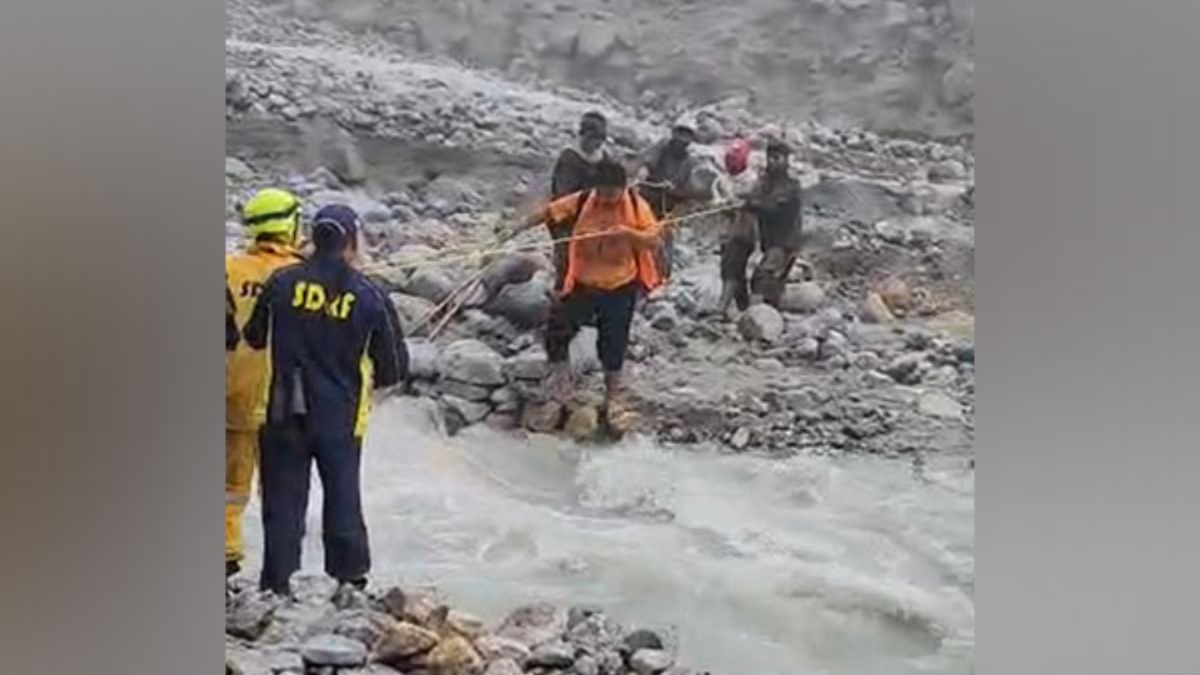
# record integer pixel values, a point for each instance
(774, 567)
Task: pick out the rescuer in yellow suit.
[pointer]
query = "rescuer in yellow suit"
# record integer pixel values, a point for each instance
(272, 218)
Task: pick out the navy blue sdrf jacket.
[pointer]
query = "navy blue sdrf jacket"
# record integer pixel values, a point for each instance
(333, 336)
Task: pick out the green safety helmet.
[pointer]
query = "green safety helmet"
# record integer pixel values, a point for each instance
(272, 212)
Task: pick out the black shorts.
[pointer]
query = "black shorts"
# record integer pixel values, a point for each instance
(613, 313)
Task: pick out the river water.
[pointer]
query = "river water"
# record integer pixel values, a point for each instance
(773, 567)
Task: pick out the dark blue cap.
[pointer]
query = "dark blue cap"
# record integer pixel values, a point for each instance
(338, 218)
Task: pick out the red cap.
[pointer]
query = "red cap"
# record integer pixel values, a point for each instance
(737, 157)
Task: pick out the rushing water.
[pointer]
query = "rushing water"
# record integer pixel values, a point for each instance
(771, 567)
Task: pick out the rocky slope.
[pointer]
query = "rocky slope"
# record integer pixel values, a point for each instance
(888, 65)
(874, 351)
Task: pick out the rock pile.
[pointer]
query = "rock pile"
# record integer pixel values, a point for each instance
(412, 630)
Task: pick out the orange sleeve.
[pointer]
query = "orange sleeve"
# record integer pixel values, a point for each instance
(561, 209)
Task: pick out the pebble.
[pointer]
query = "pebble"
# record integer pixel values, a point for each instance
(651, 661)
(552, 655)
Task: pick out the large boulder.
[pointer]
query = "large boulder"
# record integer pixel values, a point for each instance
(473, 362)
(431, 284)
(524, 304)
(761, 323)
(530, 364)
(410, 308)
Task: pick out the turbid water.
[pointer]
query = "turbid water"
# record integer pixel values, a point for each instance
(765, 566)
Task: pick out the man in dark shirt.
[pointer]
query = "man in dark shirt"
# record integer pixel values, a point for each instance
(575, 171)
(333, 335)
(664, 180)
(775, 201)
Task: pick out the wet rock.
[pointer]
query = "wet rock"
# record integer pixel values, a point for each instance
(761, 323)
(493, 647)
(524, 304)
(940, 406)
(556, 655)
(534, 625)
(431, 284)
(641, 639)
(402, 641)
(506, 400)
(249, 614)
(454, 656)
(467, 392)
(393, 601)
(347, 597)
(333, 650)
(650, 661)
(804, 297)
(580, 613)
(473, 362)
(595, 633)
(503, 667)
(515, 268)
(466, 625)
(541, 417)
(611, 663)
(454, 192)
(583, 423)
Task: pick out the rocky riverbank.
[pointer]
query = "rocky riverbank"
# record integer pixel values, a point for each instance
(324, 630)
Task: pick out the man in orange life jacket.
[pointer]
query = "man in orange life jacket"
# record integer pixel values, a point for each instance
(610, 262)
(333, 337)
(272, 218)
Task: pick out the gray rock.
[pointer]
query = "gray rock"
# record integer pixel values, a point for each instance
(586, 665)
(534, 625)
(249, 615)
(866, 361)
(641, 639)
(469, 411)
(808, 349)
(467, 392)
(965, 352)
(453, 193)
(740, 438)
(611, 663)
(938, 405)
(835, 345)
(423, 359)
(333, 650)
(361, 625)
(665, 318)
(503, 667)
(946, 171)
(237, 169)
(506, 400)
(473, 362)
(524, 304)
(595, 632)
(431, 284)
(651, 661)
(556, 655)
(804, 297)
(761, 323)
(908, 368)
(494, 647)
(528, 365)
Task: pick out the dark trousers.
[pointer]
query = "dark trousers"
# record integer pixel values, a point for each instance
(288, 451)
(735, 256)
(770, 277)
(613, 313)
